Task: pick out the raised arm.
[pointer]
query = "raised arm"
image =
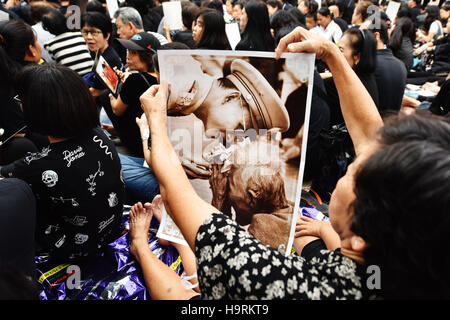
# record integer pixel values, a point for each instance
(183, 204)
(360, 113)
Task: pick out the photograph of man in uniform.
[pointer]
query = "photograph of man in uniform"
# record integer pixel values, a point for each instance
(240, 102)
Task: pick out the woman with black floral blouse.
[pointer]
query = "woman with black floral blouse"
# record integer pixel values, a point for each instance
(376, 209)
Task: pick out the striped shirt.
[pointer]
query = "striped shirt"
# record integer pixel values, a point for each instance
(70, 50)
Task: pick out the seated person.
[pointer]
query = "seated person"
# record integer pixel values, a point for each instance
(96, 30)
(140, 182)
(77, 179)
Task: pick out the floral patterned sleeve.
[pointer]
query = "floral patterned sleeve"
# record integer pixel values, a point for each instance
(234, 265)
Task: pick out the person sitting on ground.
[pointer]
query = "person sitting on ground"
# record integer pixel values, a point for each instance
(359, 49)
(96, 30)
(162, 282)
(189, 13)
(140, 182)
(390, 73)
(77, 179)
(395, 162)
(67, 48)
(432, 26)
(329, 29)
(401, 41)
(18, 47)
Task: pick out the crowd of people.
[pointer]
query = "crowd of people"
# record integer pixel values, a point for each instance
(73, 153)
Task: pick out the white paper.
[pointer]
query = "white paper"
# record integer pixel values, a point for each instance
(233, 34)
(392, 10)
(168, 230)
(113, 6)
(4, 16)
(172, 14)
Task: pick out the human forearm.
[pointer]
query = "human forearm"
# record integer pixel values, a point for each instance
(358, 109)
(183, 204)
(329, 236)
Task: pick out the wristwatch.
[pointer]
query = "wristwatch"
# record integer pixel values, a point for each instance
(146, 134)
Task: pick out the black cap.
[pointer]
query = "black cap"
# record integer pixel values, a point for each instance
(141, 41)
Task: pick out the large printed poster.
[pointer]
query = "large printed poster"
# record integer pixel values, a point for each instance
(229, 114)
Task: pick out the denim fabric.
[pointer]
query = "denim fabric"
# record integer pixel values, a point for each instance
(140, 182)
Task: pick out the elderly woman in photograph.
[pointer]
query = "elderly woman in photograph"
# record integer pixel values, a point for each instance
(398, 185)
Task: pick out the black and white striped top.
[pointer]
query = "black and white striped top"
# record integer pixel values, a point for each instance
(70, 50)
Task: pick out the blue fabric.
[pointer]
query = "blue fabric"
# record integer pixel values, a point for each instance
(140, 182)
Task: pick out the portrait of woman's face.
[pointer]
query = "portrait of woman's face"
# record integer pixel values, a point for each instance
(345, 45)
(244, 19)
(135, 62)
(198, 30)
(94, 38)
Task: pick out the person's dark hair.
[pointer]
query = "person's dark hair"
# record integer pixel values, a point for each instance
(402, 204)
(284, 31)
(95, 6)
(282, 18)
(168, 46)
(189, 13)
(214, 36)
(97, 20)
(404, 11)
(432, 14)
(257, 34)
(274, 4)
(363, 43)
(312, 5)
(311, 15)
(239, 3)
(15, 39)
(14, 285)
(150, 17)
(324, 11)
(38, 8)
(403, 28)
(382, 30)
(56, 101)
(54, 22)
(216, 4)
(298, 16)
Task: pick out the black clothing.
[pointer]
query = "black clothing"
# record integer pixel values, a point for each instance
(405, 53)
(319, 120)
(17, 225)
(79, 193)
(151, 20)
(390, 76)
(232, 264)
(414, 13)
(12, 120)
(185, 37)
(125, 125)
(346, 7)
(369, 82)
(341, 23)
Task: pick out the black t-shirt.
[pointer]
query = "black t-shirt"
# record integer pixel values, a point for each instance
(17, 224)
(369, 82)
(185, 37)
(80, 193)
(135, 85)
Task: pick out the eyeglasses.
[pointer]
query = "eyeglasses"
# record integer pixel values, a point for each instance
(93, 33)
